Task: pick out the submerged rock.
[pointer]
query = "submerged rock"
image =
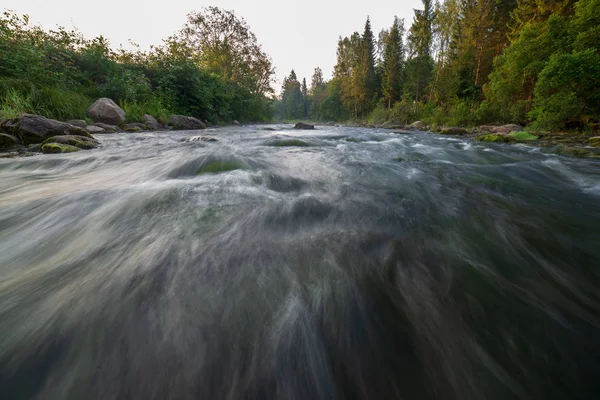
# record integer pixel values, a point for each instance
(302, 125)
(203, 139)
(52, 148)
(94, 129)
(186, 123)
(107, 111)
(35, 129)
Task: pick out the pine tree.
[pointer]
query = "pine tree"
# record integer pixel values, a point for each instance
(367, 80)
(304, 91)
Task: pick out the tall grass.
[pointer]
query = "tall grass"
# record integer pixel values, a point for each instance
(18, 97)
(154, 106)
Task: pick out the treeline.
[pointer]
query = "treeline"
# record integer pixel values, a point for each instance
(465, 62)
(213, 69)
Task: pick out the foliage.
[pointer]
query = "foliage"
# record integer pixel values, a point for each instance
(523, 136)
(59, 73)
(470, 62)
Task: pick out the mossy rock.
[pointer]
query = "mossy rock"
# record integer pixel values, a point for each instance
(577, 152)
(495, 138)
(74, 140)
(594, 141)
(53, 148)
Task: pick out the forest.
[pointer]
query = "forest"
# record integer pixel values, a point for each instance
(458, 63)
(463, 63)
(213, 69)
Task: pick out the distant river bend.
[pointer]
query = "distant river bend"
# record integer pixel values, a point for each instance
(341, 263)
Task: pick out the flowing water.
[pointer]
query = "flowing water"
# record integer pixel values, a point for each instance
(343, 263)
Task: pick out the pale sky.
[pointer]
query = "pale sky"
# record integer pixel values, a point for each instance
(298, 34)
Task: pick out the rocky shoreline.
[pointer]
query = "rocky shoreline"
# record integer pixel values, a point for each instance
(31, 134)
(575, 144)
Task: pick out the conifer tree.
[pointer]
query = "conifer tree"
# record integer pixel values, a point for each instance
(392, 63)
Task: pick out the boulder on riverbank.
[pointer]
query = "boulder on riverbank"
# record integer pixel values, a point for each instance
(151, 122)
(35, 129)
(417, 125)
(236, 123)
(106, 111)
(302, 125)
(182, 122)
(454, 130)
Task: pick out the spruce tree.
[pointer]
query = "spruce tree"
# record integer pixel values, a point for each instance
(392, 64)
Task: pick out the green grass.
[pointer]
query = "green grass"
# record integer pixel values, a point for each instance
(524, 136)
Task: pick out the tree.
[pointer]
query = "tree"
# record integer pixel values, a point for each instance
(292, 99)
(392, 63)
(304, 90)
(220, 41)
(420, 63)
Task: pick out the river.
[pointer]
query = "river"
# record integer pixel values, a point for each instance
(341, 263)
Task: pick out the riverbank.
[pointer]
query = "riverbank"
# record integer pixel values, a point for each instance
(573, 143)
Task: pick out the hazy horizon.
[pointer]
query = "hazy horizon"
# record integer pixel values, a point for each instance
(301, 35)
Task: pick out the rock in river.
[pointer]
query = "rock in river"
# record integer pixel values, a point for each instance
(80, 142)
(302, 125)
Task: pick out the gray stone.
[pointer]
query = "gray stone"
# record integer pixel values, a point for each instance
(35, 129)
(234, 122)
(106, 111)
(108, 128)
(302, 125)
(183, 122)
(94, 129)
(134, 127)
(151, 122)
(78, 122)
